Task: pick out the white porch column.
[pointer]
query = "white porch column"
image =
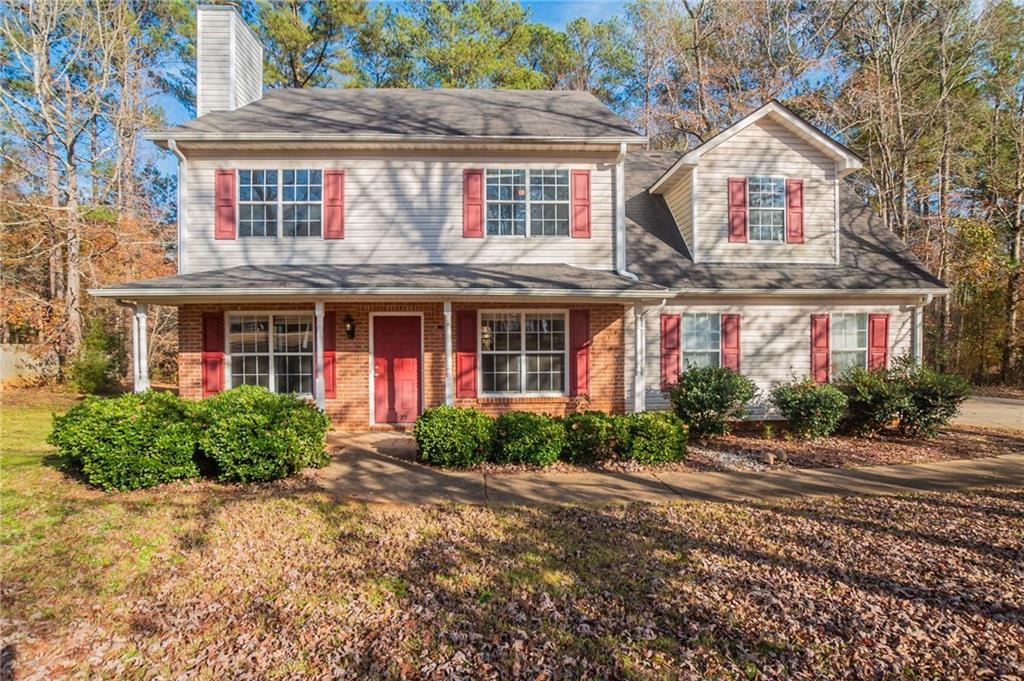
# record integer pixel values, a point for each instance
(917, 334)
(140, 347)
(318, 356)
(640, 358)
(449, 374)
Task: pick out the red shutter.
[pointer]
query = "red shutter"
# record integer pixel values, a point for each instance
(473, 204)
(731, 341)
(334, 204)
(330, 346)
(580, 181)
(878, 341)
(669, 349)
(213, 353)
(738, 209)
(465, 354)
(224, 205)
(819, 348)
(579, 360)
(795, 211)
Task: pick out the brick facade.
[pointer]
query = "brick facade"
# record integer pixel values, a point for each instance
(351, 409)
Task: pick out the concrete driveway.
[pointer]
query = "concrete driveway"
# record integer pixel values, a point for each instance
(992, 412)
(381, 467)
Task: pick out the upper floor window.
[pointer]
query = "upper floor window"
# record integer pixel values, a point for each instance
(702, 339)
(766, 206)
(849, 341)
(522, 352)
(521, 202)
(275, 203)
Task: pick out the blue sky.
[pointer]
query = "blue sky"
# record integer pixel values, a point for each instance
(557, 14)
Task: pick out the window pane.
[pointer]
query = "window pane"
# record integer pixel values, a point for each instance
(293, 333)
(766, 198)
(302, 191)
(500, 332)
(842, 360)
(506, 202)
(698, 360)
(701, 333)
(500, 373)
(545, 332)
(545, 373)
(250, 370)
(248, 334)
(294, 374)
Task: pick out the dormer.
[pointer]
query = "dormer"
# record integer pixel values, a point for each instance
(763, 190)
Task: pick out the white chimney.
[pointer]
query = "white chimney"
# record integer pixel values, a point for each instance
(229, 60)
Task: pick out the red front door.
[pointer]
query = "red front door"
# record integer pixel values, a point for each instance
(396, 369)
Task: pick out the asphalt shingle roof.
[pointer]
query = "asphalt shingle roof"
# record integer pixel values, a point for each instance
(871, 256)
(410, 279)
(416, 113)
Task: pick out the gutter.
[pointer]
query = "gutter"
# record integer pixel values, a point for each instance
(182, 195)
(811, 292)
(620, 215)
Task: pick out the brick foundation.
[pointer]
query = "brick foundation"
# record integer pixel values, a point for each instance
(351, 409)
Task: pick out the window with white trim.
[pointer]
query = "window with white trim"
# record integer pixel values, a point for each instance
(766, 208)
(521, 202)
(523, 352)
(275, 203)
(271, 350)
(849, 342)
(702, 339)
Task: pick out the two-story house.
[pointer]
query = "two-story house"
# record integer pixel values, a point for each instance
(384, 251)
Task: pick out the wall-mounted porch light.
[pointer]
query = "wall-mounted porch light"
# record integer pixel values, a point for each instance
(350, 326)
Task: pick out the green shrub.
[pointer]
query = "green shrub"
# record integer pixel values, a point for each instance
(452, 437)
(931, 399)
(131, 441)
(707, 398)
(524, 438)
(98, 367)
(589, 436)
(252, 434)
(812, 409)
(874, 400)
(651, 437)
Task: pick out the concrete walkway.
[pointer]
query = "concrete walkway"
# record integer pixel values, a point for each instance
(380, 467)
(992, 412)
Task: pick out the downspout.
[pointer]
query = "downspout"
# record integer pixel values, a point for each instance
(620, 215)
(182, 187)
(640, 353)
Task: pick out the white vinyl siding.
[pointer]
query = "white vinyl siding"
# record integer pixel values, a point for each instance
(775, 340)
(680, 203)
(398, 208)
(766, 148)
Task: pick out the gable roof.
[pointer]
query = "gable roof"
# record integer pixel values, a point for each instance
(846, 159)
(351, 114)
(872, 258)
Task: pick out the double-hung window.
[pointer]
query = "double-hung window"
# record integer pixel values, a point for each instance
(527, 202)
(849, 341)
(766, 206)
(523, 352)
(702, 339)
(275, 203)
(271, 350)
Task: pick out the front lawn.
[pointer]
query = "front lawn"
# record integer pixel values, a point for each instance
(279, 579)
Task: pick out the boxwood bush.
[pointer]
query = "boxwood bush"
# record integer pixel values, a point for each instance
(874, 400)
(812, 409)
(930, 398)
(525, 438)
(252, 434)
(589, 436)
(707, 398)
(454, 437)
(128, 442)
(650, 437)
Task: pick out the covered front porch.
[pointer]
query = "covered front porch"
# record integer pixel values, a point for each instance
(376, 345)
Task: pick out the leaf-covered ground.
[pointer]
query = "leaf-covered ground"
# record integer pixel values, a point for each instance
(281, 580)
